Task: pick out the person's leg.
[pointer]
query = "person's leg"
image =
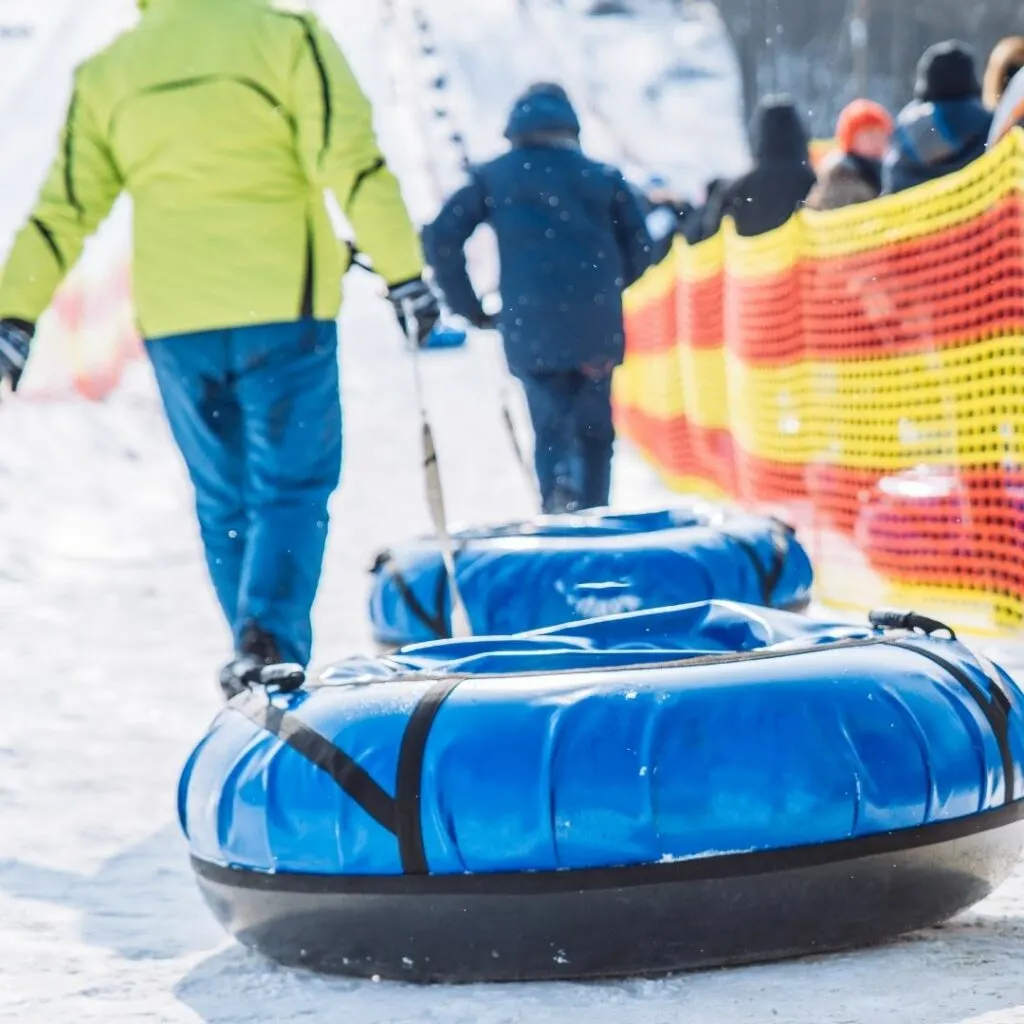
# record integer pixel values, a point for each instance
(288, 390)
(206, 424)
(549, 398)
(595, 433)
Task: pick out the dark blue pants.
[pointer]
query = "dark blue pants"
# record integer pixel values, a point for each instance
(256, 412)
(572, 422)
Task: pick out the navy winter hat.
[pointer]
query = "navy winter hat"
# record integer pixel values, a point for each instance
(946, 71)
(544, 109)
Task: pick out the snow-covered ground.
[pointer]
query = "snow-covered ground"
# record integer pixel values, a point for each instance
(109, 640)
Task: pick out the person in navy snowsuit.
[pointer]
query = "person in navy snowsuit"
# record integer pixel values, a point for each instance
(571, 236)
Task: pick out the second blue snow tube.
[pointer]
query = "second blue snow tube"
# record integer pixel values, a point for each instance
(445, 337)
(554, 569)
(704, 785)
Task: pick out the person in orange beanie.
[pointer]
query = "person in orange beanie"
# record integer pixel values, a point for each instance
(853, 173)
(1004, 87)
(1006, 60)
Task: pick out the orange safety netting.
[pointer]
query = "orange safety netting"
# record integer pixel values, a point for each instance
(88, 336)
(861, 370)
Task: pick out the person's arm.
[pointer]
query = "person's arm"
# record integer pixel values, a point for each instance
(892, 174)
(445, 240)
(718, 207)
(338, 150)
(79, 192)
(631, 234)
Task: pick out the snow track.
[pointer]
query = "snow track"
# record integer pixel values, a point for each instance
(41, 41)
(643, 83)
(110, 637)
(549, 25)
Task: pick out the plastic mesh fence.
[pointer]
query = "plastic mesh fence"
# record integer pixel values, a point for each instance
(861, 369)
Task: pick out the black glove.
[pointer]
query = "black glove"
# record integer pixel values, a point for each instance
(15, 341)
(418, 299)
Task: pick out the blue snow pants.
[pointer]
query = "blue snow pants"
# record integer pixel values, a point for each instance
(256, 412)
(575, 437)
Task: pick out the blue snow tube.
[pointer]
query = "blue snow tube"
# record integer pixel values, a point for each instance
(445, 337)
(556, 569)
(705, 785)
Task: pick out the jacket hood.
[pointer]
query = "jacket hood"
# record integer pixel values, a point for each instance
(930, 134)
(543, 111)
(778, 134)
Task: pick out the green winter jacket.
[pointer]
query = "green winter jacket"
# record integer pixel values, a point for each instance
(225, 121)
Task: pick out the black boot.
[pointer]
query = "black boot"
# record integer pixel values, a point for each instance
(256, 650)
(563, 501)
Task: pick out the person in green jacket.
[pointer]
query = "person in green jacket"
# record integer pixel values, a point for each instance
(227, 121)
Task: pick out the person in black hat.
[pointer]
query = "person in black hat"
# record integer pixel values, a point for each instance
(775, 188)
(945, 126)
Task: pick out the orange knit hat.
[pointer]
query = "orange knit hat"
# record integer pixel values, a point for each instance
(859, 116)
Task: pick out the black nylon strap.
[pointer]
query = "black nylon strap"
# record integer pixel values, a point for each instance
(768, 577)
(409, 790)
(763, 577)
(353, 779)
(781, 537)
(434, 622)
(996, 710)
(440, 598)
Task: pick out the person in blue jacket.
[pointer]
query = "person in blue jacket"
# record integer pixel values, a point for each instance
(571, 237)
(945, 127)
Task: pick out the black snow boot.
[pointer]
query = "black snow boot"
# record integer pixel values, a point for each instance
(563, 501)
(256, 650)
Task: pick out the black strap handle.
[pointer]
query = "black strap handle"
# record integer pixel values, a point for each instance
(286, 678)
(280, 678)
(893, 618)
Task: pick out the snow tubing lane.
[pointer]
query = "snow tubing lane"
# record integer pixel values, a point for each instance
(555, 569)
(692, 787)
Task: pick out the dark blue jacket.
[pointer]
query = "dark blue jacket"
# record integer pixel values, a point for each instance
(571, 237)
(934, 139)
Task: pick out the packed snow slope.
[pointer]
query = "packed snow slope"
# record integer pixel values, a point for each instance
(109, 641)
(657, 88)
(41, 41)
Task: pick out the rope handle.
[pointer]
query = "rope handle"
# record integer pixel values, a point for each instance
(892, 618)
